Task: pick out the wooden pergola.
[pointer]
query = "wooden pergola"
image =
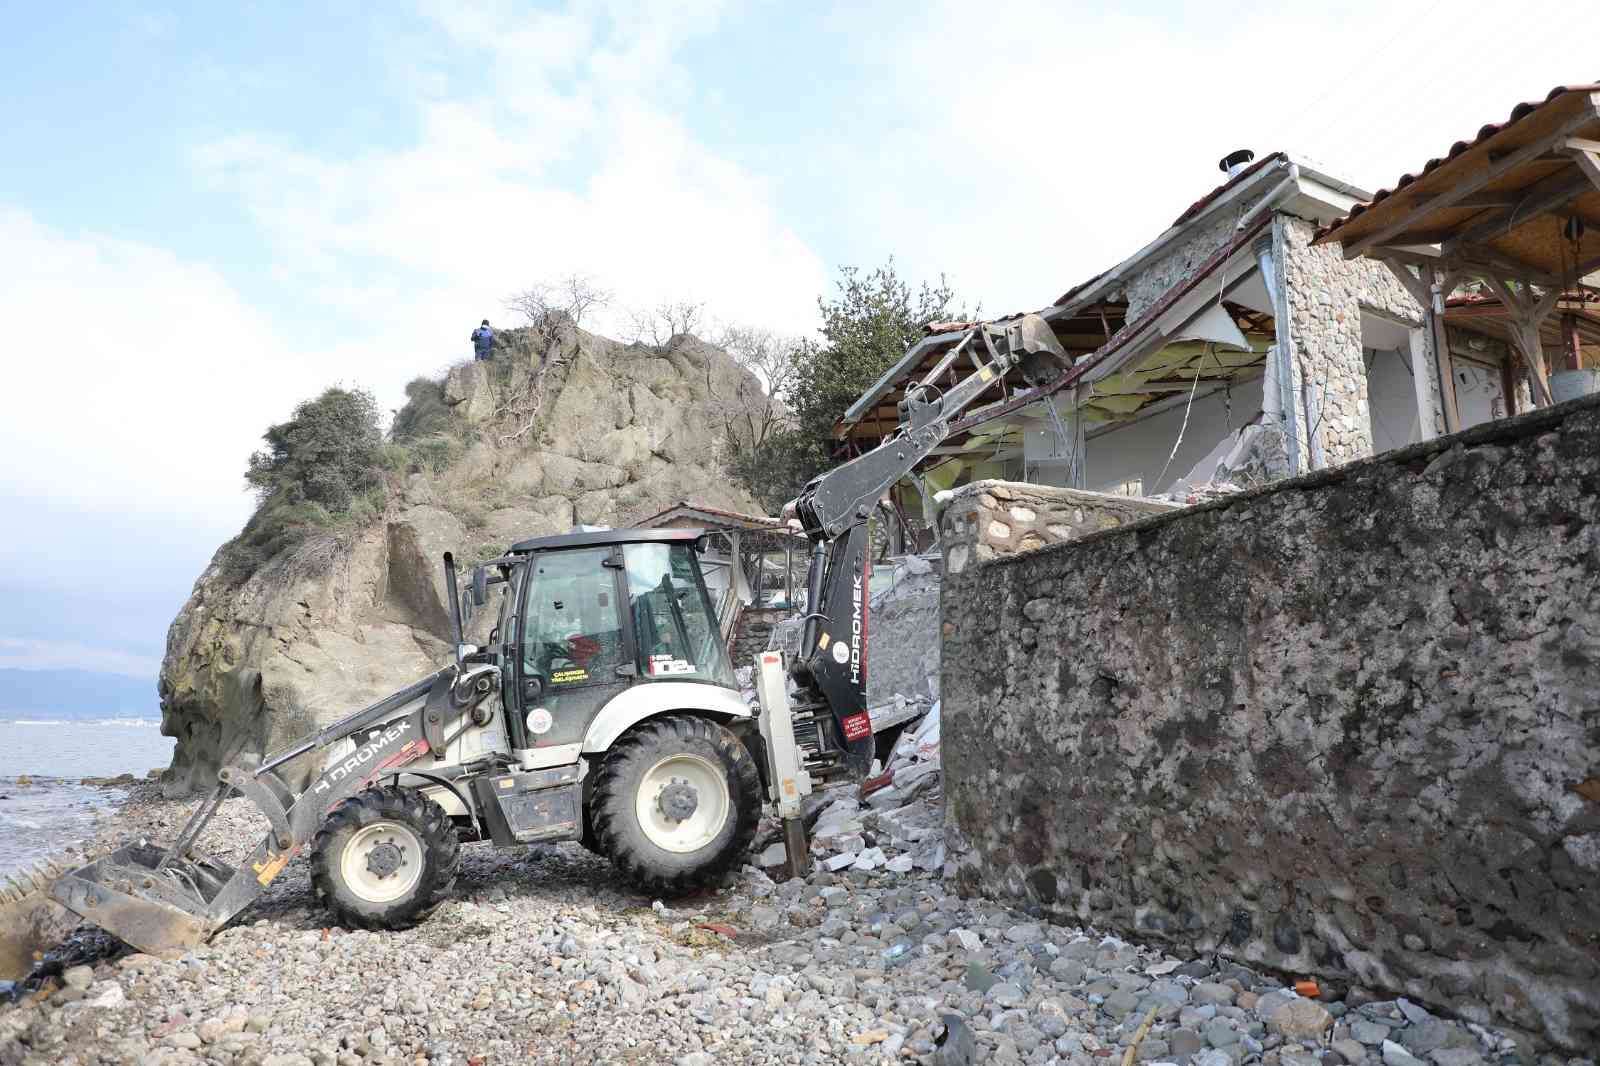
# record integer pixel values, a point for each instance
(1518, 208)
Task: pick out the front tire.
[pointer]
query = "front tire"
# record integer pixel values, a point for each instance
(677, 803)
(384, 857)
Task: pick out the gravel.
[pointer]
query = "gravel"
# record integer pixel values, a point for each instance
(541, 956)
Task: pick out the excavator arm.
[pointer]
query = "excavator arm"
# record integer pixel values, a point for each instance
(831, 664)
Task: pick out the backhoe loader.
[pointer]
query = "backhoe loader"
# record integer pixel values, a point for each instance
(603, 709)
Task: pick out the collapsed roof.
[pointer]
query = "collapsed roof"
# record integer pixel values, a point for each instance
(1212, 324)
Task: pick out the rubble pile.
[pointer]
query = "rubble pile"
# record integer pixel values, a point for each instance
(894, 822)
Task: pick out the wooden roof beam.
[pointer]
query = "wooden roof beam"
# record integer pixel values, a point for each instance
(1588, 159)
(1469, 184)
(1540, 197)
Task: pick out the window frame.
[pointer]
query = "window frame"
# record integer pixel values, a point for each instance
(610, 559)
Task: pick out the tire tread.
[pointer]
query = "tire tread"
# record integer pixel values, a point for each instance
(611, 807)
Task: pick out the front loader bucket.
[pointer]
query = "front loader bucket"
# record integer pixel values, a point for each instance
(156, 910)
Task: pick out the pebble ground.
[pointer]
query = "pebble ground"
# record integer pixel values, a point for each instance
(541, 956)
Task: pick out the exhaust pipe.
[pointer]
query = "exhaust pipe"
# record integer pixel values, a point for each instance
(454, 593)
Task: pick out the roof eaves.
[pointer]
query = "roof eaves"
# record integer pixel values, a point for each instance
(1108, 351)
(1518, 113)
(856, 411)
(1215, 200)
(702, 509)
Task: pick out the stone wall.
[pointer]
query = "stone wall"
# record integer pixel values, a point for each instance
(988, 519)
(1346, 726)
(1176, 263)
(1326, 295)
(753, 632)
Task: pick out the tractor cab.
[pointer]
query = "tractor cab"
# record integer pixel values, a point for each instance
(589, 615)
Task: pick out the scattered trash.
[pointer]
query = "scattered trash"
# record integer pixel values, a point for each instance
(1309, 989)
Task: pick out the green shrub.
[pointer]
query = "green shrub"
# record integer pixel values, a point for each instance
(395, 458)
(434, 453)
(326, 454)
(425, 413)
(321, 470)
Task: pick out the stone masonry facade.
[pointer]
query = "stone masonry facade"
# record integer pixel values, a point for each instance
(1327, 294)
(989, 519)
(1346, 726)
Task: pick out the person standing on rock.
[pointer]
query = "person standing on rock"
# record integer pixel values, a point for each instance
(483, 342)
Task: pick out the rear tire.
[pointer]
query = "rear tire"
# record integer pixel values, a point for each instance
(676, 804)
(384, 857)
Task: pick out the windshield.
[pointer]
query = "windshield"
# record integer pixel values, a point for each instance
(676, 628)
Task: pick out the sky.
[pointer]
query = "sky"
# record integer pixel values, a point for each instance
(209, 212)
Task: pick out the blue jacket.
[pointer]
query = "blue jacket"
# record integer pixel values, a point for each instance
(483, 340)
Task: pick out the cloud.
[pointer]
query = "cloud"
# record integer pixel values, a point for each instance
(1059, 137)
(135, 380)
(24, 654)
(571, 161)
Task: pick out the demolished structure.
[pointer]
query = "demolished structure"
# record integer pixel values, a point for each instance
(1236, 348)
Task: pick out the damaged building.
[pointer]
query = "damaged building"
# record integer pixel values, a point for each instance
(1228, 352)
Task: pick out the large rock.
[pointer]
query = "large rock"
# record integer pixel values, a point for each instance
(564, 427)
(469, 391)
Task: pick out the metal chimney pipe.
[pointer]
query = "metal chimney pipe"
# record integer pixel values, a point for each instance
(1235, 161)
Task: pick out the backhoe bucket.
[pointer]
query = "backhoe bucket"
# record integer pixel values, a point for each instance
(130, 895)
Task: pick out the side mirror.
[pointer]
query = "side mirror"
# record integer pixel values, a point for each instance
(480, 586)
(532, 688)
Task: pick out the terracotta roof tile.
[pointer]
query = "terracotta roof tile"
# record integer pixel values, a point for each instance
(1518, 113)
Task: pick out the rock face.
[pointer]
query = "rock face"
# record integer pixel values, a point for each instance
(564, 427)
(1343, 726)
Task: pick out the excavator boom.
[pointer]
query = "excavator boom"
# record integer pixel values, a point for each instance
(834, 507)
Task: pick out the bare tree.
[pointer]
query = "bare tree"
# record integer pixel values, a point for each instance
(666, 320)
(751, 414)
(573, 295)
(520, 384)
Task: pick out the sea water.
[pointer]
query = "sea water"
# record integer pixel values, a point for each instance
(42, 759)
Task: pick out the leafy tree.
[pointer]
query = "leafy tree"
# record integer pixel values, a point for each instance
(327, 453)
(866, 327)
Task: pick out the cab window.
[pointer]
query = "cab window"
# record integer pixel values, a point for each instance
(572, 634)
(674, 625)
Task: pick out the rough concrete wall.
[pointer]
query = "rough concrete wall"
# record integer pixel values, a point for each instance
(903, 638)
(1326, 295)
(1345, 726)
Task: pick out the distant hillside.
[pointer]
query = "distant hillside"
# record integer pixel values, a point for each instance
(76, 694)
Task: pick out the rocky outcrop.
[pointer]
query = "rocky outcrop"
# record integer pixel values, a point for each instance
(561, 427)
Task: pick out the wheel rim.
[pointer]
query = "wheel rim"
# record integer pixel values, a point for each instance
(382, 862)
(682, 803)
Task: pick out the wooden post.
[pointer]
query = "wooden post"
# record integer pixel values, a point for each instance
(1441, 354)
(1524, 317)
(1430, 295)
